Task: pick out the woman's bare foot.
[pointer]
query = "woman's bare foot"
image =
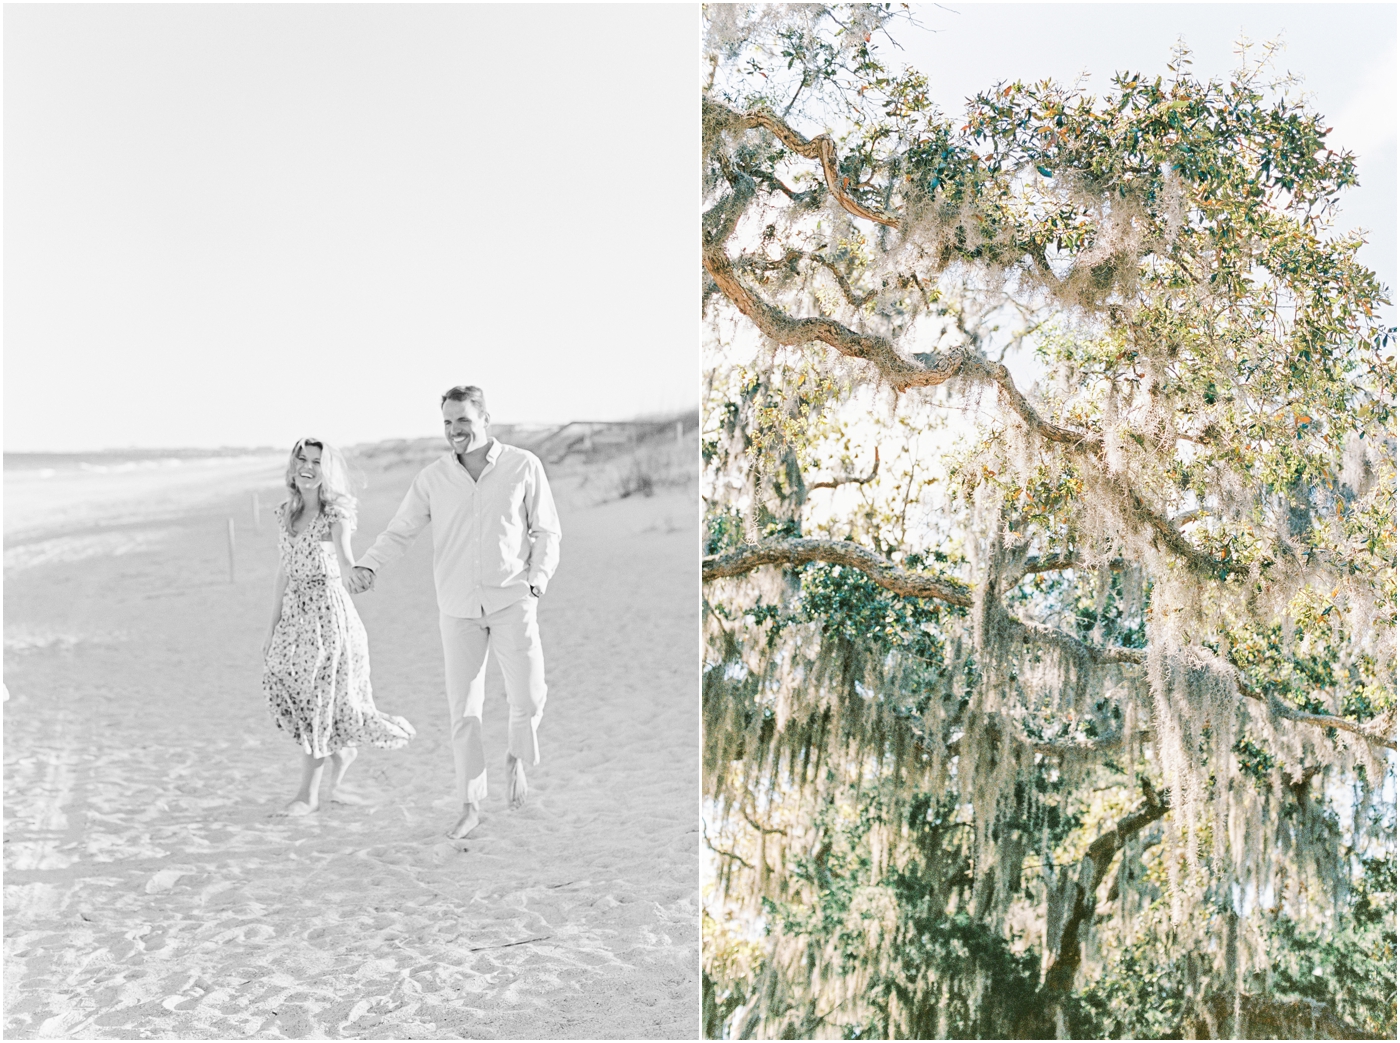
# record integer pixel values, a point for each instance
(340, 763)
(469, 821)
(516, 786)
(295, 809)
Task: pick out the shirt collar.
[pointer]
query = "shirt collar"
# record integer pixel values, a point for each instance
(493, 452)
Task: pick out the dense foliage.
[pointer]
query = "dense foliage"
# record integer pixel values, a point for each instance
(1050, 589)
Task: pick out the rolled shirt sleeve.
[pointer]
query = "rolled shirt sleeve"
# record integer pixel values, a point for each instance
(543, 526)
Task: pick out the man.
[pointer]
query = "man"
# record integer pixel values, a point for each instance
(495, 547)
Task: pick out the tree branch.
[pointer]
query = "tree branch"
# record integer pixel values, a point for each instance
(998, 725)
(767, 264)
(1380, 732)
(717, 224)
(1070, 559)
(784, 329)
(1079, 885)
(980, 367)
(748, 817)
(728, 854)
(1096, 654)
(897, 580)
(836, 552)
(851, 479)
(774, 182)
(844, 283)
(820, 148)
(1178, 544)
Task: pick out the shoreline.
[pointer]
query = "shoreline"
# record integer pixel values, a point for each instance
(42, 503)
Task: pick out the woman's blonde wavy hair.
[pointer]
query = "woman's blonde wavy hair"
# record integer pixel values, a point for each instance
(335, 481)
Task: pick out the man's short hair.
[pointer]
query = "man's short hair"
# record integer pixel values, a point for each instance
(465, 393)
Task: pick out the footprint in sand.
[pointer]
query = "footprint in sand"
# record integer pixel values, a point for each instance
(446, 850)
(374, 968)
(356, 1013)
(187, 997)
(348, 798)
(165, 879)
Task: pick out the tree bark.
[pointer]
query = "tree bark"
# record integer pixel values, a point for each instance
(836, 552)
(1080, 884)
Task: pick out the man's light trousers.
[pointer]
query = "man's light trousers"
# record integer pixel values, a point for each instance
(513, 634)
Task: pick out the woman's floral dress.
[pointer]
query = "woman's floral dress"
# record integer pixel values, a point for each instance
(316, 674)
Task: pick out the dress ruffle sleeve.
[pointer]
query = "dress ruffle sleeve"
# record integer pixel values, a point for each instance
(336, 513)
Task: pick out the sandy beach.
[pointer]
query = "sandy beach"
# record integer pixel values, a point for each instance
(148, 894)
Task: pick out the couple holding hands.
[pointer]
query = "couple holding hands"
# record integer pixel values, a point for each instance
(495, 547)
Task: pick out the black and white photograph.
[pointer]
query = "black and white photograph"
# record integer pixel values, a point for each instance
(351, 590)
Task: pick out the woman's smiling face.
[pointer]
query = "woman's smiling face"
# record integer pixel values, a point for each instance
(307, 473)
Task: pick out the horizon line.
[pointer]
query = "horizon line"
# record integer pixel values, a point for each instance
(643, 418)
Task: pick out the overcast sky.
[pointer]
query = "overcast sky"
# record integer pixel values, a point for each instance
(1344, 53)
(238, 225)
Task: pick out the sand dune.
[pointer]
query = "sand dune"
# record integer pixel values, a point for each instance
(149, 895)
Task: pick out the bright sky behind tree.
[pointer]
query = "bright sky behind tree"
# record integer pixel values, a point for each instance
(242, 224)
(1345, 55)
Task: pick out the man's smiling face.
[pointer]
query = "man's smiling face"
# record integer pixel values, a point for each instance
(464, 425)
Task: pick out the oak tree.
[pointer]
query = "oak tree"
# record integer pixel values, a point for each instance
(1050, 589)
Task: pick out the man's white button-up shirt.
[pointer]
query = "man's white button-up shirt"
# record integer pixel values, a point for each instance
(493, 537)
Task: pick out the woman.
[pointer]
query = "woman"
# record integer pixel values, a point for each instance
(316, 656)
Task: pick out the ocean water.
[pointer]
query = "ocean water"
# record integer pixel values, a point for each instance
(117, 461)
(47, 493)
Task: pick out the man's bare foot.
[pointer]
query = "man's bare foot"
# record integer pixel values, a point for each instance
(469, 821)
(295, 809)
(516, 786)
(340, 763)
